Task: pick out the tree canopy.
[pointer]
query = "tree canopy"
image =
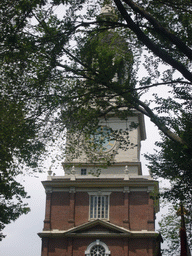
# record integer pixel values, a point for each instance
(173, 162)
(60, 60)
(44, 50)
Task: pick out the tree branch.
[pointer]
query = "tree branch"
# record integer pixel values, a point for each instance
(143, 108)
(163, 83)
(152, 46)
(161, 30)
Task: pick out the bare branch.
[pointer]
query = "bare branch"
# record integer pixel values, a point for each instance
(163, 83)
(161, 30)
(151, 45)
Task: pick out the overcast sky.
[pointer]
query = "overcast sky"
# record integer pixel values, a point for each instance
(21, 235)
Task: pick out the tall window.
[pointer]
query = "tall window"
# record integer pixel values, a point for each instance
(99, 206)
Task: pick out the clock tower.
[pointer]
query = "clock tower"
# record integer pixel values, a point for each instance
(105, 212)
(99, 209)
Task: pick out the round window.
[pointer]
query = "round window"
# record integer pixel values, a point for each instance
(97, 250)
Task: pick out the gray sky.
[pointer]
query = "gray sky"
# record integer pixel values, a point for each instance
(22, 238)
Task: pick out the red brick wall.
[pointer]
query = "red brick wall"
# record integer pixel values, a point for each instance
(72, 209)
(141, 247)
(139, 211)
(60, 210)
(116, 208)
(117, 246)
(81, 208)
(58, 247)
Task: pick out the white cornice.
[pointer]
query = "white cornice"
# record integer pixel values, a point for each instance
(100, 164)
(130, 234)
(103, 190)
(134, 182)
(110, 230)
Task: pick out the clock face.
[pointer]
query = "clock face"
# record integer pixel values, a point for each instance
(103, 140)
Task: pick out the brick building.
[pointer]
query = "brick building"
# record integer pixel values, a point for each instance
(107, 214)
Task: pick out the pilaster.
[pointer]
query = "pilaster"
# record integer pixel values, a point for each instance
(126, 207)
(72, 206)
(70, 247)
(47, 221)
(126, 247)
(45, 246)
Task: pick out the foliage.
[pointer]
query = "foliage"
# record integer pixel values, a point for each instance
(169, 228)
(18, 148)
(172, 161)
(56, 67)
(48, 51)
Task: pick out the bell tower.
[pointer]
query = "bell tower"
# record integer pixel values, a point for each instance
(106, 213)
(99, 209)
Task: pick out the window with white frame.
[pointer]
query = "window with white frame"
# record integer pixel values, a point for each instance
(83, 171)
(99, 206)
(97, 248)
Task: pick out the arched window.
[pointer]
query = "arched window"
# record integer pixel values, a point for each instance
(97, 248)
